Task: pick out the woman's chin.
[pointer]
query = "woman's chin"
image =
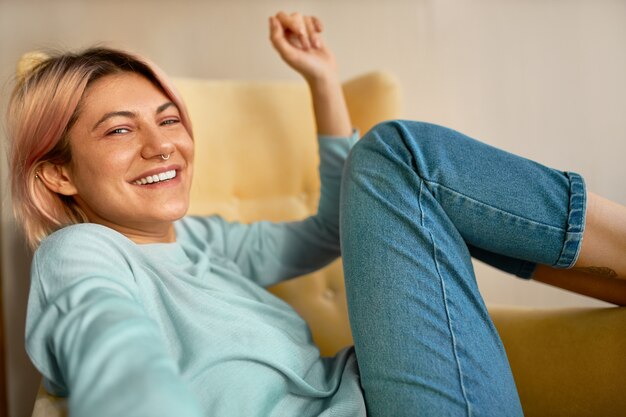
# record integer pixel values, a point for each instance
(172, 214)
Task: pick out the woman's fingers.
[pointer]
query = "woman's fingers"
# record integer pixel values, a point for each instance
(301, 31)
(276, 31)
(277, 36)
(314, 37)
(284, 40)
(295, 29)
(298, 41)
(317, 23)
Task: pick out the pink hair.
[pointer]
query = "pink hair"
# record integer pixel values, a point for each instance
(43, 107)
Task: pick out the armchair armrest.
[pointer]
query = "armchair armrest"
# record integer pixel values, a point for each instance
(566, 362)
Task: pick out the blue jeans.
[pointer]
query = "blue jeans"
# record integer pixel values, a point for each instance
(417, 201)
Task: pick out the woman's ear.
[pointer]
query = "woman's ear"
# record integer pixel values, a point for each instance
(57, 178)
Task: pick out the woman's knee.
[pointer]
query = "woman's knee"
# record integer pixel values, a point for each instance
(382, 137)
(403, 134)
(389, 130)
(396, 139)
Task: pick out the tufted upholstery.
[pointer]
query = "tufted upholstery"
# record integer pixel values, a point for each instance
(256, 159)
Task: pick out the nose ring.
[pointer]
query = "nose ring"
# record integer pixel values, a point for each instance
(165, 157)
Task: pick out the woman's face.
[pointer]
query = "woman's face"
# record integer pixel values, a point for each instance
(125, 127)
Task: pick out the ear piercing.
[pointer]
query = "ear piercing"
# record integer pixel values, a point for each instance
(165, 157)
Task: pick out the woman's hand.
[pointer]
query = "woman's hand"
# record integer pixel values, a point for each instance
(298, 40)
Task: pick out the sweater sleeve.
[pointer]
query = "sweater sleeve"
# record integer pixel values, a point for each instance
(89, 335)
(269, 252)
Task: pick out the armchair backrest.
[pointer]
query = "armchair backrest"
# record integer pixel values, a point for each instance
(256, 159)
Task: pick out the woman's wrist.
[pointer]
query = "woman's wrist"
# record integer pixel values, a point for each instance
(323, 81)
(331, 112)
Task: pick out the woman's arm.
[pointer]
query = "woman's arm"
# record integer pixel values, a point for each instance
(89, 335)
(299, 42)
(269, 252)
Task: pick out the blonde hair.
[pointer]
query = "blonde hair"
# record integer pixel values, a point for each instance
(43, 107)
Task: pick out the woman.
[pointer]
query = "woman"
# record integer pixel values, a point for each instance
(137, 310)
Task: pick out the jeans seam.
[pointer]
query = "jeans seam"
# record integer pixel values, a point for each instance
(517, 216)
(449, 320)
(419, 204)
(445, 303)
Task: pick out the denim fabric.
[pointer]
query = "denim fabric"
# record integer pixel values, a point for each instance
(417, 201)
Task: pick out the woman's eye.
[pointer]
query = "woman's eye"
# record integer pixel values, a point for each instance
(118, 131)
(169, 121)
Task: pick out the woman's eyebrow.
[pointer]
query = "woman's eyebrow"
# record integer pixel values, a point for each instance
(126, 113)
(107, 116)
(162, 107)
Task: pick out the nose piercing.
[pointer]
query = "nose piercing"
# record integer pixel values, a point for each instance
(165, 157)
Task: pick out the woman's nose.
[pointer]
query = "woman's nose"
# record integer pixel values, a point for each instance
(156, 145)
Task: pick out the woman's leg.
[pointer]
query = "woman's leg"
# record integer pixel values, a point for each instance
(604, 245)
(415, 199)
(600, 270)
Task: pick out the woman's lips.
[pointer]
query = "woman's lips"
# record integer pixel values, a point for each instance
(151, 179)
(157, 175)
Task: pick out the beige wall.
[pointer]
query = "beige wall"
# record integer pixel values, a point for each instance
(545, 79)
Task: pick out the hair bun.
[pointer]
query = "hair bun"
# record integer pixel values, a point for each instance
(28, 62)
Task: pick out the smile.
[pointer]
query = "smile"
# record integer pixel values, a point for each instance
(151, 179)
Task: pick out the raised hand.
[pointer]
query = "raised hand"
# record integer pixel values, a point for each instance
(299, 42)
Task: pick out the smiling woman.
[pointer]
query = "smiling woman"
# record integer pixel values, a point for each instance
(126, 126)
(136, 309)
(66, 144)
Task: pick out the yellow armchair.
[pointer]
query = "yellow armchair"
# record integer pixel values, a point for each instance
(256, 158)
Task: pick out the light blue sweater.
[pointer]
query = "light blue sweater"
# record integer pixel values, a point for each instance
(187, 328)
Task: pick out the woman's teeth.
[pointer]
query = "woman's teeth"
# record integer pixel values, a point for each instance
(151, 179)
